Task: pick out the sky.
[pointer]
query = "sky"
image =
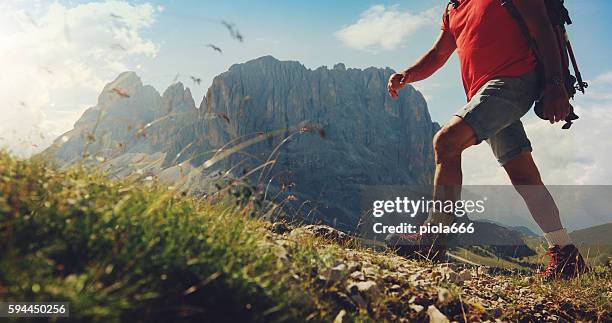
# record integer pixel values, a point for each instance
(56, 56)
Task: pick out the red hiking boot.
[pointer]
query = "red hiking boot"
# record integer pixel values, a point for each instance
(418, 246)
(565, 263)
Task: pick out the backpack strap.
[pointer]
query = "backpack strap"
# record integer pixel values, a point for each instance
(447, 13)
(513, 11)
(455, 4)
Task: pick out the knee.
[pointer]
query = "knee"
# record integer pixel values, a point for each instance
(445, 147)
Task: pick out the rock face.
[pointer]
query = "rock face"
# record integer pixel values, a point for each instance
(352, 134)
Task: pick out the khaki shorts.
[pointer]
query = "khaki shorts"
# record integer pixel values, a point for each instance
(495, 112)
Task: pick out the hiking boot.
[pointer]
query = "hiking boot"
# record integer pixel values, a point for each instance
(565, 263)
(418, 246)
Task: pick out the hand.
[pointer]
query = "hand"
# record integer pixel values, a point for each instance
(556, 103)
(396, 83)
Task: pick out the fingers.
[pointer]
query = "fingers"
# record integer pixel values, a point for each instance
(556, 104)
(392, 91)
(556, 111)
(393, 86)
(562, 109)
(548, 112)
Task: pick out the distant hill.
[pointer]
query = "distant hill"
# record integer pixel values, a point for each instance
(595, 243)
(520, 229)
(524, 231)
(597, 235)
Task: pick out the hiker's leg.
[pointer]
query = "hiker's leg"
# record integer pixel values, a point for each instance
(499, 103)
(525, 177)
(513, 151)
(566, 261)
(448, 144)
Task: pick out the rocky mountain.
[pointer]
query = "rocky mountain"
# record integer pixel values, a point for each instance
(330, 131)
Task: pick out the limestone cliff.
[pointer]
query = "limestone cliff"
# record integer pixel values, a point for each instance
(363, 136)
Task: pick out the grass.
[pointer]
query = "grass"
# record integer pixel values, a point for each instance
(587, 298)
(121, 250)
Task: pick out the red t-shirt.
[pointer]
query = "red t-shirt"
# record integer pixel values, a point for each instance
(489, 42)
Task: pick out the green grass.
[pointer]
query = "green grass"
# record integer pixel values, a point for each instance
(124, 250)
(586, 298)
(490, 261)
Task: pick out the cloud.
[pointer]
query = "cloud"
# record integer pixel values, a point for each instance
(580, 156)
(55, 59)
(386, 28)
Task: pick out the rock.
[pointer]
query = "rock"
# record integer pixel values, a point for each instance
(465, 275)
(336, 274)
(496, 312)
(368, 288)
(415, 277)
(359, 300)
(353, 266)
(435, 316)
(444, 295)
(446, 274)
(416, 308)
(340, 66)
(452, 277)
(341, 317)
(279, 228)
(322, 231)
(357, 275)
(345, 301)
(370, 272)
(388, 278)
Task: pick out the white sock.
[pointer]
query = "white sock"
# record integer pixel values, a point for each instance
(558, 238)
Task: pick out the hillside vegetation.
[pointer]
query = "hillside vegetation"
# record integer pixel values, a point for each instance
(134, 251)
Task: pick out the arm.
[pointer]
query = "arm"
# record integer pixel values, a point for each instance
(426, 66)
(556, 101)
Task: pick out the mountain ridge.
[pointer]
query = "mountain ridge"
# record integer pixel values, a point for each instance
(135, 129)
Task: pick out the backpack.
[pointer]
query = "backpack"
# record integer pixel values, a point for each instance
(559, 17)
